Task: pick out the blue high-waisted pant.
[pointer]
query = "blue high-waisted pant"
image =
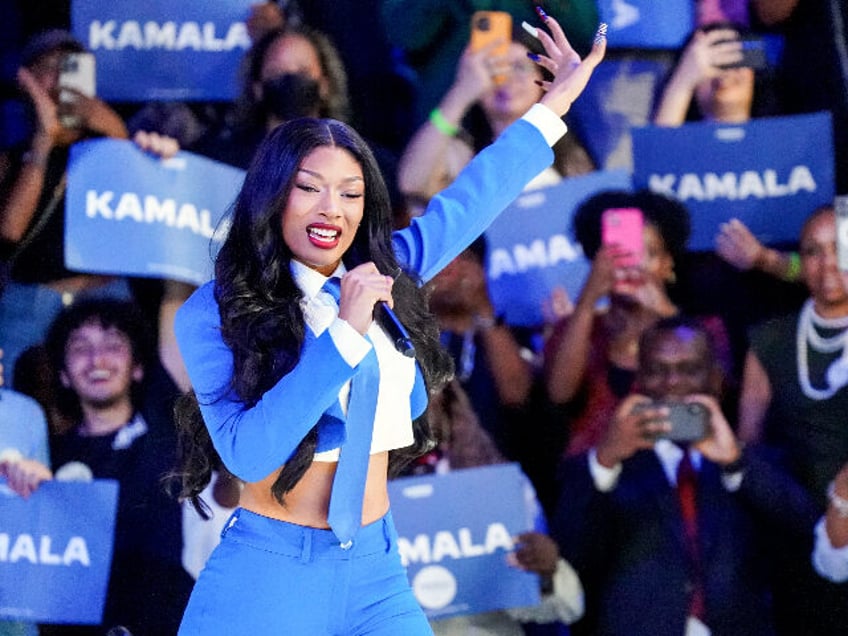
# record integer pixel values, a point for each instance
(269, 577)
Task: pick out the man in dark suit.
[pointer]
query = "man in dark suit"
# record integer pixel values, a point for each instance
(669, 537)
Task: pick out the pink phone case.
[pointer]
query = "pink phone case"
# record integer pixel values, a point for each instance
(623, 227)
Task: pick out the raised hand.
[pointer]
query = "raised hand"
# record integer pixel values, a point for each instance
(632, 430)
(571, 74)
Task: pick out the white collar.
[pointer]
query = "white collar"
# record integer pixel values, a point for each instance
(670, 455)
(309, 280)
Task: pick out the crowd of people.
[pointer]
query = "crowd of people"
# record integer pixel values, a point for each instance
(229, 518)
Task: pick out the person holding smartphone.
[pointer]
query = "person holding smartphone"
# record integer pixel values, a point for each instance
(494, 84)
(591, 356)
(32, 197)
(714, 75)
(669, 536)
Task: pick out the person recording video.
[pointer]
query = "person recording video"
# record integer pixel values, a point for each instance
(666, 524)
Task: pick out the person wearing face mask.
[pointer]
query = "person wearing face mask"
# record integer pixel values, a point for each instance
(291, 72)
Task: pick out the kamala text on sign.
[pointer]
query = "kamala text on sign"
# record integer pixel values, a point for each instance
(164, 50)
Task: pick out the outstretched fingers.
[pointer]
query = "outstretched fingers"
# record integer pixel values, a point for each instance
(570, 73)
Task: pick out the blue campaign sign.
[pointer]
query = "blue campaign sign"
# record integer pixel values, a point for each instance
(647, 24)
(531, 248)
(163, 49)
(619, 97)
(56, 551)
(131, 213)
(455, 531)
(769, 173)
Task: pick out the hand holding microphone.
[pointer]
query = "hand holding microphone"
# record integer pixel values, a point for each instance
(366, 294)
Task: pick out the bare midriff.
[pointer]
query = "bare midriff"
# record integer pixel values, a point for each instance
(307, 503)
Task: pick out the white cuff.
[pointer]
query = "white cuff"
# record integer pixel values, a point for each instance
(352, 345)
(605, 478)
(732, 481)
(546, 122)
(829, 562)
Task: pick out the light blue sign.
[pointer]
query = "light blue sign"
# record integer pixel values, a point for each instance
(455, 531)
(131, 213)
(56, 551)
(164, 49)
(531, 249)
(647, 24)
(770, 173)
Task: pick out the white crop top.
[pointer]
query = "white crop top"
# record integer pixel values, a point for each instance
(393, 418)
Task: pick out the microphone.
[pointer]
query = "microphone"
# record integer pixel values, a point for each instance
(397, 332)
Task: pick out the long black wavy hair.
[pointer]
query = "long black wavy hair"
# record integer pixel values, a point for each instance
(259, 301)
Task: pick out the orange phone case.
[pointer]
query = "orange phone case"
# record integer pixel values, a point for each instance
(623, 227)
(488, 26)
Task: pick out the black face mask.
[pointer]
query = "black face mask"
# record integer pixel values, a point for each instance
(290, 96)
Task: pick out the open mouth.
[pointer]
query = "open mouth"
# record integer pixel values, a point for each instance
(99, 375)
(323, 236)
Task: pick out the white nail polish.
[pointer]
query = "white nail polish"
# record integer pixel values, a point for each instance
(530, 29)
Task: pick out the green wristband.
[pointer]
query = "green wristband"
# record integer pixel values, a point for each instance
(793, 271)
(441, 124)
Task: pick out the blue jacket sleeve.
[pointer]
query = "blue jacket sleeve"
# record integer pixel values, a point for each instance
(255, 441)
(462, 211)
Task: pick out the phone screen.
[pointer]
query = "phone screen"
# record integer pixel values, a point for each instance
(840, 204)
(623, 227)
(77, 72)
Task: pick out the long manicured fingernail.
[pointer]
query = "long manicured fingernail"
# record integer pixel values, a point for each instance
(533, 56)
(602, 32)
(541, 12)
(533, 31)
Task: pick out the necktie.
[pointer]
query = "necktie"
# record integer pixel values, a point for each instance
(687, 479)
(345, 514)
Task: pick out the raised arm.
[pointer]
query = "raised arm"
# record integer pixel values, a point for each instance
(496, 175)
(24, 192)
(568, 348)
(701, 60)
(434, 154)
(754, 399)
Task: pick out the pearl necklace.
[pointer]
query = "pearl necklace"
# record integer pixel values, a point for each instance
(837, 372)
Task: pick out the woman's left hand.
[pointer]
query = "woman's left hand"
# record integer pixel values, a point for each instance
(571, 74)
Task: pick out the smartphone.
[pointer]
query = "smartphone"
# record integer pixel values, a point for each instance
(77, 71)
(624, 228)
(689, 420)
(840, 204)
(753, 53)
(488, 26)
